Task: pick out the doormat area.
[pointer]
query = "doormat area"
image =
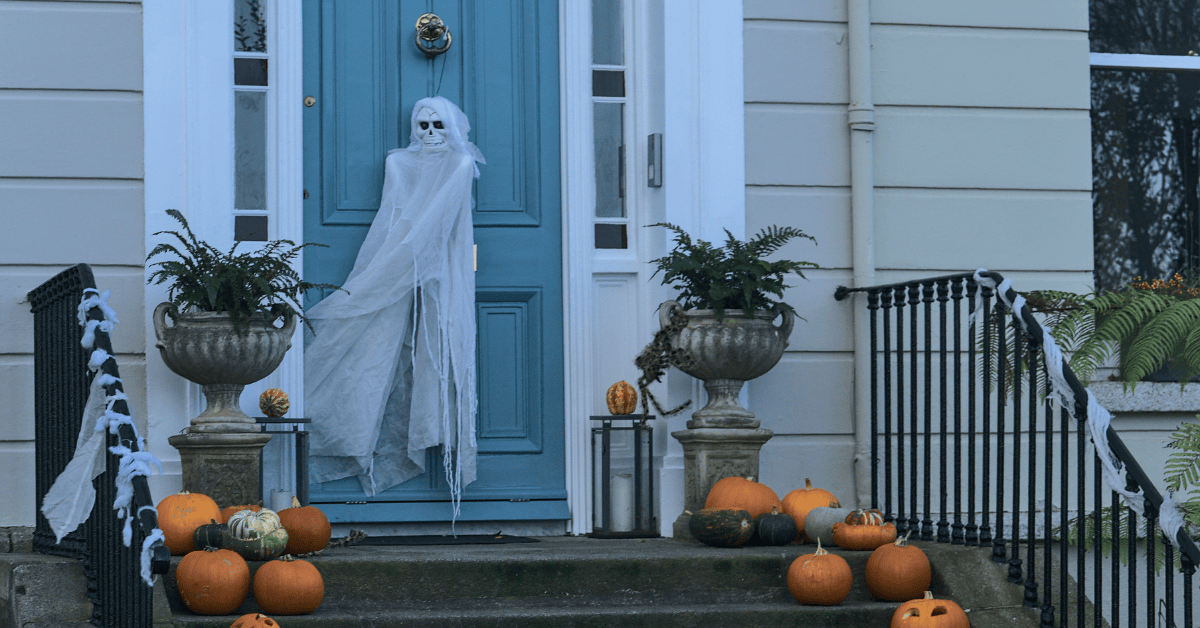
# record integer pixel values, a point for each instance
(437, 539)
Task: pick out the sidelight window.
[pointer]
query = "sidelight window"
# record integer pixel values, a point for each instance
(251, 90)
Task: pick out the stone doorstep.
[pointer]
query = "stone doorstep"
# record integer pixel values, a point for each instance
(40, 591)
(32, 585)
(582, 581)
(16, 539)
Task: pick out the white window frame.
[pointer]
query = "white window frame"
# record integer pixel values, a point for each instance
(188, 116)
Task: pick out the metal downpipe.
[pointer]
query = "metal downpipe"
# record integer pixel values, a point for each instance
(861, 118)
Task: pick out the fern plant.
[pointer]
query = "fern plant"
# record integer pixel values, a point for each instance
(735, 276)
(1183, 472)
(256, 286)
(1147, 325)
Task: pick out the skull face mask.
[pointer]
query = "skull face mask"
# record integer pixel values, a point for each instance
(431, 130)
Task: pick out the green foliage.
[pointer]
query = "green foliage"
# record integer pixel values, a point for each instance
(1146, 326)
(258, 285)
(1089, 538)
(734, 276)
(1149, 328)
(1183, 472)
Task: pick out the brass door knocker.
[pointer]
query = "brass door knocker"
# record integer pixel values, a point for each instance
(431, 29)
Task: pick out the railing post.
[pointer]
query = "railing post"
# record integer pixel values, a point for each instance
(873, 309)
(956, 292)
(888, 511)
(943, 525)
(1014, 557)
(914, 298)
(985, 528)
(901, 467)
(1031, 595)
(998, 543)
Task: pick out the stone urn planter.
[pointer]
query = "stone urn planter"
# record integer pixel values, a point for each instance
(725, 354)
(205, 348)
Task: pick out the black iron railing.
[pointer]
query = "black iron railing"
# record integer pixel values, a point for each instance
(1014, 471)
(119, 595)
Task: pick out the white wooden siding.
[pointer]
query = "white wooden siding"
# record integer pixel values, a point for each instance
(69, 45)
(982, 130)
(71, 191)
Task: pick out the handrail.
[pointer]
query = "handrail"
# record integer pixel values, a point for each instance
(119, 592)
(143, 505)
(1135, 477)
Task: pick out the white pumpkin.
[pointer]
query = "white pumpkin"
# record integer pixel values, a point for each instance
(819, 523)
(248, 524)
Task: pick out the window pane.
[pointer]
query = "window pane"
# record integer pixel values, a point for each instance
(611, 237)
(250, 228)
(609, 129)
(1155, 27)
(609, 83)
(249, 26)
(608, 33)
(1145, 174)
(251, 72)
(250, 150)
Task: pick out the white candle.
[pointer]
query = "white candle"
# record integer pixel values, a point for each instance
(622, 502)
(280, 499)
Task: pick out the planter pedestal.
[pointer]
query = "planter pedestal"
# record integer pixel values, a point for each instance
(224, 466)
(221, 452)
(710, 454)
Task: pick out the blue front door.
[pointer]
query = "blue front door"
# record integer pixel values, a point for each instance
(362, 67)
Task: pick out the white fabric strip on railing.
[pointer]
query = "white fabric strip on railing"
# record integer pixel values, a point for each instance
(1098, 417)
(71, 498)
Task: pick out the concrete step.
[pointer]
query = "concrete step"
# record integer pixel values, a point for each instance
(584, 582)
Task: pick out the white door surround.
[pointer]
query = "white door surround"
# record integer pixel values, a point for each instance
(689, 63)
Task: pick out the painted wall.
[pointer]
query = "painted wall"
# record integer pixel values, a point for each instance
(982, 154)
(70, 192)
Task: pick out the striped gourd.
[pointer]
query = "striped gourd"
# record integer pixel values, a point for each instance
(621, 398)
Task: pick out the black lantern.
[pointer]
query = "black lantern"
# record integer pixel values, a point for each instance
(623, 485)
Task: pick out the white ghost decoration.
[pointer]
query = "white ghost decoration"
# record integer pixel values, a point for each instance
(390, 370)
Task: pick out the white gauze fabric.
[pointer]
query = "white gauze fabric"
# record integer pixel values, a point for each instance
(390, 370)
(1098, 417)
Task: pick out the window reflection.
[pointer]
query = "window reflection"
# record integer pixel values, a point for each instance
(1153, 27)
(1144, 173)
(249, 26)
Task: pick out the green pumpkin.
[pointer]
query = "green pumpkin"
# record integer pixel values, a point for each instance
(263, 547)
(722, 527)
(208, 535)
(775, 528)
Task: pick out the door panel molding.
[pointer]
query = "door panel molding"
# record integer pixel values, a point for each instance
(509, 358)
(506, 112)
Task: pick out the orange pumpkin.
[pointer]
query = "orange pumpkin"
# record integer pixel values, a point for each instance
(898, 571)
(798, 502)
(820, 578)
(621, 398)
(863, 537)
(254, 620)
(213, 582)
(734, 493)
(930, 613)
(288, 587)
(230, 511)
(308, 528)
(179, 516)
(274, 402)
